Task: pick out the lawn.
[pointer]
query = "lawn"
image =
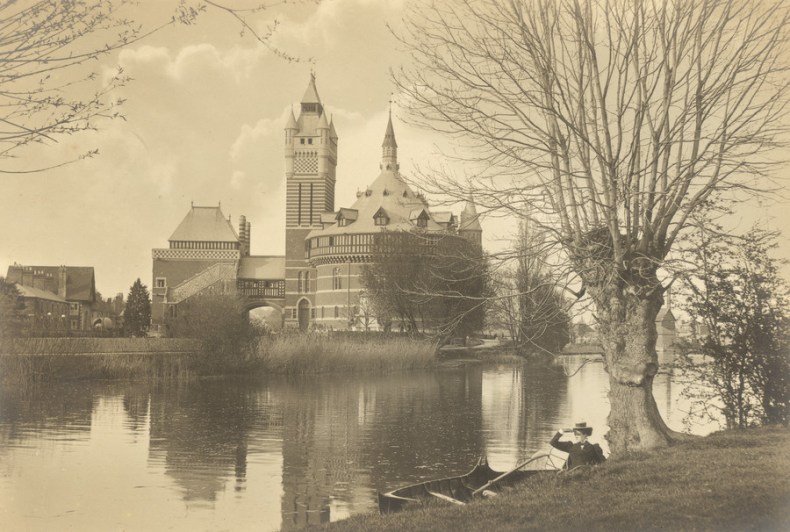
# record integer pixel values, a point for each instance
(729, 481)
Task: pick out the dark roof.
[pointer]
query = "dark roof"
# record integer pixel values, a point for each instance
(204, 224)
(36, 293)
(80, 280)
(665, 314)
(311, 94)
(389, 136)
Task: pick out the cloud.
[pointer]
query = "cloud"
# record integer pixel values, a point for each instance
(194, 62)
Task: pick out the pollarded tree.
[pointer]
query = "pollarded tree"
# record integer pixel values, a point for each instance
(609, 122)
(137, 315)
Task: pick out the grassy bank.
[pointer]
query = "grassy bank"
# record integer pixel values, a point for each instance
(17, 369)
(95, 346)
(729, 481)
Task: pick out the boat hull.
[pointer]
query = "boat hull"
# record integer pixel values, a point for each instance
(459, 490)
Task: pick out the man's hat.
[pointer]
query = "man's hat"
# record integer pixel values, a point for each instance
(583, 428)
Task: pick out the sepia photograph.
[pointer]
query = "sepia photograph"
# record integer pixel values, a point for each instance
(407, 265)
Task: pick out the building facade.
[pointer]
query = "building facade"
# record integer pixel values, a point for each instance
(52, 286)
(317, 283)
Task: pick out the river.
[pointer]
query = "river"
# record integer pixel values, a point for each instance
(234, 455)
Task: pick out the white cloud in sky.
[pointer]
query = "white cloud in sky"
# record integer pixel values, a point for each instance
(204, 123)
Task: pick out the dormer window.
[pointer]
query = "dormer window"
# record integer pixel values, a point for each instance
(419, 217)
(381, 218)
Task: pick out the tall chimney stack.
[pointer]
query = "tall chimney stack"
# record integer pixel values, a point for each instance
(242, 235)
(247, 234)
(62, 279)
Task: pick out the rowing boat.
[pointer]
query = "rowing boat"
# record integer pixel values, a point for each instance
(482, 480)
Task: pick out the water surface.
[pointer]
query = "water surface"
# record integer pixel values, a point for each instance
(233, 455)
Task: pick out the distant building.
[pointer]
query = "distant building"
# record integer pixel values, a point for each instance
(43, 310)
(581, 333)
(75, 285)
(318, 280)
(337, 251)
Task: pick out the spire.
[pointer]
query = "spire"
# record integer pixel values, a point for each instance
(470, 220)
(322, 123)
(389, 148)
(311, 103)
(311, 94)
(291, 121)
(332, 132)
(389, 135)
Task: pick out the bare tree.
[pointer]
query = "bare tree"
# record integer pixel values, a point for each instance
(609, 122)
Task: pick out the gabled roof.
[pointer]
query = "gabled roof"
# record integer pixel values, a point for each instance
(665, 314)
(204, 224)
(37, 293)
(328, 217)
(80, 280)
(417, 214)
(443, 217)
(347, 214)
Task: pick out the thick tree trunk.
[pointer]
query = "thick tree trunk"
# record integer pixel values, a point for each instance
(628, 336)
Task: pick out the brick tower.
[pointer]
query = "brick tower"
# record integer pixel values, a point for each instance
(310, 161)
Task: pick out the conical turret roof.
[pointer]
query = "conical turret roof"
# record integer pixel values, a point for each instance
(311, 93)
(470, 220)
(322, 123)
(389, 135)
(291, 121)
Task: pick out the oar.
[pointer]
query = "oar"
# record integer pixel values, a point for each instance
(503, 475)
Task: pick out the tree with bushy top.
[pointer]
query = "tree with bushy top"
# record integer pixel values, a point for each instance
(137, 315)
(740, 303)
(11, 310)
(219, 322)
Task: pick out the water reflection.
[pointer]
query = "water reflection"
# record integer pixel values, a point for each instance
(249, 456)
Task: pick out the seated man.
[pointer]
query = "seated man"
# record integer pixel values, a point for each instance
(581, 452)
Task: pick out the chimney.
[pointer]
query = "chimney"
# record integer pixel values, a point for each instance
(27, 276)
(62, 278)
(247, 235)
(42, 281)
(242, 235)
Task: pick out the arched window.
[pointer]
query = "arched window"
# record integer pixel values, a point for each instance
(306, 281)
(337, 281)
(337, 311)
(299, 287)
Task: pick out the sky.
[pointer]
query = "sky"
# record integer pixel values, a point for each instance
(204, 119)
